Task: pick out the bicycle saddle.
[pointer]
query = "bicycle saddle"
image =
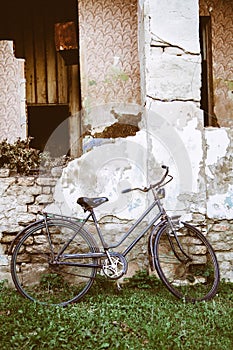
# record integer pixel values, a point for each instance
(90, 203)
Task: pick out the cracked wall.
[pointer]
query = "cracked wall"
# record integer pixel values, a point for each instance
(167, 130)
(170, 131)
(173, 82)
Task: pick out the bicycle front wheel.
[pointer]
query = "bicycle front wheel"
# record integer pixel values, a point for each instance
(36, 269)
(186, 263)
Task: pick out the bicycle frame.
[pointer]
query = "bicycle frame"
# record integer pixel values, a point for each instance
(180, 254)
(132, 228)
(158, 221)
(160, 218)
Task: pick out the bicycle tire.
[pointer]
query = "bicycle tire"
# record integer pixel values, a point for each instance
(39, 280)
(194, 280)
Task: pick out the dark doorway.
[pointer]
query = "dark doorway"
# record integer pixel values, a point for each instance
(48, 125)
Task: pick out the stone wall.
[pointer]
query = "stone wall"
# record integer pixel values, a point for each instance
(221, 238)
(21, 198)
(170, 131)
(219, 193)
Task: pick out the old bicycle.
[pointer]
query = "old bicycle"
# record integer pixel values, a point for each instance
(55, 260)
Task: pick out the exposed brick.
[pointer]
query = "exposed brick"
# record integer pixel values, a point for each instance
(221, 246)
(44, 199)
(225, 256)
(25, 199)
(4, 172)
(5, 183)
(57, 171)
(46, 181)
(221, 227)
(26, 218)
(34, 209)
(22, 198)
(46, 190)
(34, 190)
(26, 181)
(21, 208)
(7, 238)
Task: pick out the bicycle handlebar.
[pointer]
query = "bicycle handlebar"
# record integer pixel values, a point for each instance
(157, 184)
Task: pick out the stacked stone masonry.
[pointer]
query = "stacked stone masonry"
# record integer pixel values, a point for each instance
(21, 200)
(221, 239)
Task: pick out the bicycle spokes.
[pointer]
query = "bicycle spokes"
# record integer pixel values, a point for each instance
(40, 276)
(192, 278)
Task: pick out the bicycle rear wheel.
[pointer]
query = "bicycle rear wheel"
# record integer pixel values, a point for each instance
(36, 274)
(193, 279)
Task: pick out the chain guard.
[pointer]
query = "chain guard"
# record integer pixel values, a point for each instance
(115, 268)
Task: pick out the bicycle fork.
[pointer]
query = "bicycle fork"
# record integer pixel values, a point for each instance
(174, 234)
(167, 221)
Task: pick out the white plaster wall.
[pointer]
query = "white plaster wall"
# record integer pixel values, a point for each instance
(176, 22)
(182, 135)
(173, 76)
(219, 177)
(170, 129)
(173, 82)
(105, 171)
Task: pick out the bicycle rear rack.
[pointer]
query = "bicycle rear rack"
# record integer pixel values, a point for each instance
(58, 216)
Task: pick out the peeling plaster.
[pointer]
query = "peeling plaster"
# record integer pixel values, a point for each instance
(183, 74)
(135, 161)
(219, 174)
(220, 206)
(126, 125)
(115, 130)
(217, 142)
(106, 171)
(179, 130)
(97, 118)
(175, 22)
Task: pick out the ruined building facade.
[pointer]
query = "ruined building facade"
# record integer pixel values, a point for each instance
(136, 85)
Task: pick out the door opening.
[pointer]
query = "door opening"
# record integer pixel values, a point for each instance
(49, 127)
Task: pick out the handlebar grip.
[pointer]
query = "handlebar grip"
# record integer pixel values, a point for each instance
(126, 190)
(164, 167)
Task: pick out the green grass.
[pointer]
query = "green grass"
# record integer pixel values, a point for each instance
(138, 317)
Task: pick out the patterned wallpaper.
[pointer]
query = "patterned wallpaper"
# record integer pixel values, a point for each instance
(110, 69)
(221, 12)
(12, 94)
